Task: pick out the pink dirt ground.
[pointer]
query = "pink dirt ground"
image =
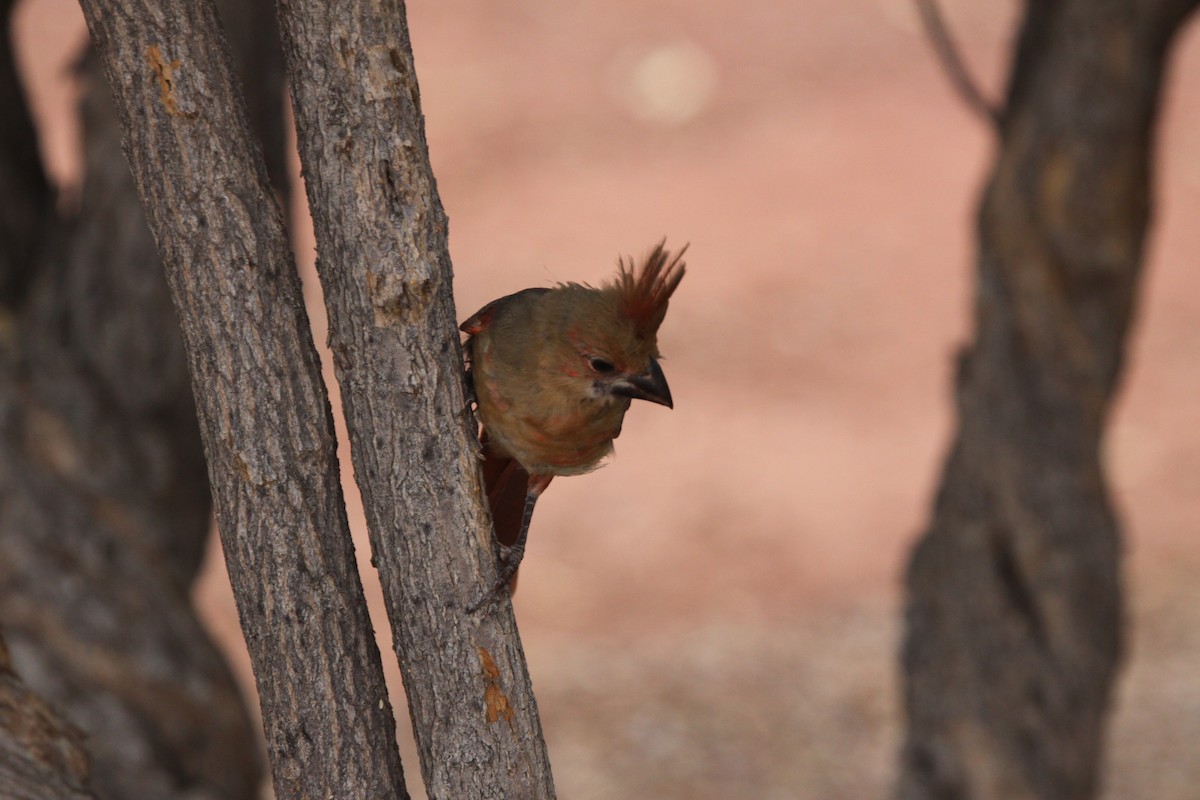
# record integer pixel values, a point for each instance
(716, 613)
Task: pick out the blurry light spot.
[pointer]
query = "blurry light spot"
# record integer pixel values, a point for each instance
(670, 84)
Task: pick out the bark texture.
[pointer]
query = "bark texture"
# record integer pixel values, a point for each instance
(264, 414)
(104, 500)
(1014, 604)
(381, 235)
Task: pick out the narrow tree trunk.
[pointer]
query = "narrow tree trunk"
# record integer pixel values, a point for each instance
(383, 260)
(264, 414)
(1014, 606)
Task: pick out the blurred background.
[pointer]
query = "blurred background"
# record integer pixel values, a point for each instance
(716, 613)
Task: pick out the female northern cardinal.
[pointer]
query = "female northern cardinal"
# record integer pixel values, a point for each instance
(554, 371)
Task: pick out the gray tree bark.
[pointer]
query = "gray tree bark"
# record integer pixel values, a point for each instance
(264, 414)
(383, 260)
(1014, 604)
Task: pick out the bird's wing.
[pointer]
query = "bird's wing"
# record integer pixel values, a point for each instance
(482, 318)
(505, 480)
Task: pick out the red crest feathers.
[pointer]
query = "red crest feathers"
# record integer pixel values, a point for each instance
(643, 295)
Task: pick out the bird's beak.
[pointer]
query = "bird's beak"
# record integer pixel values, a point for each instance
(650, 385)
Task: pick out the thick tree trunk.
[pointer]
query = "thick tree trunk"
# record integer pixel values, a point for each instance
(381, 236)
(1014, 606)
(264, 414)
(41, 756)
(104, 500)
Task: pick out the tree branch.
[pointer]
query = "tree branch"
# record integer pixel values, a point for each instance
(952, 63)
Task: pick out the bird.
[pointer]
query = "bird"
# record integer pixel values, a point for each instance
(553, 371)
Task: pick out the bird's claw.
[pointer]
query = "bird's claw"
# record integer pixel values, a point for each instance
(490, 596)
(510, 559)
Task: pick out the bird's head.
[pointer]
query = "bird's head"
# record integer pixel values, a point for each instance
(610, 350)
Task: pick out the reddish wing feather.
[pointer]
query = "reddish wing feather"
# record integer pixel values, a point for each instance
(477, 321)
(644, 295)
(506, 483)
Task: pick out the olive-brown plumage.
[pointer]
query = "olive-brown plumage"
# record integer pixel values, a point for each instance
(554, 371)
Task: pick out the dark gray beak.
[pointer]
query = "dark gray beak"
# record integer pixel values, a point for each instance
(650, 385)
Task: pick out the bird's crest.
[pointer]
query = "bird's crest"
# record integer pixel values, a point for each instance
(642, 295)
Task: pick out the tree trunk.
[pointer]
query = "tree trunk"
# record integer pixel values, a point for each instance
(41, 756)
(381, 237)
(264, 414)
(1014, 607)
(104, 500)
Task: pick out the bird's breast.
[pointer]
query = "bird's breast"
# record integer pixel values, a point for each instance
(560, 444)
(547, 434)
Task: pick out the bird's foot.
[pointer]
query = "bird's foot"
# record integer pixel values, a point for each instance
(510, 560)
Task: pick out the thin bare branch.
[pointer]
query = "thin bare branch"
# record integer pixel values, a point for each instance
(960, 77)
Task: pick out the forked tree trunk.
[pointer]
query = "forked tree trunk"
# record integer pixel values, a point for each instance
(1014, 604)
(267, 432)
(262, 405)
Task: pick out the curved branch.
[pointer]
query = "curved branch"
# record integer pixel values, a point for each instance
(951, 60)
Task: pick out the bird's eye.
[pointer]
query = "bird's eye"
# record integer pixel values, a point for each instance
(600, 365)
